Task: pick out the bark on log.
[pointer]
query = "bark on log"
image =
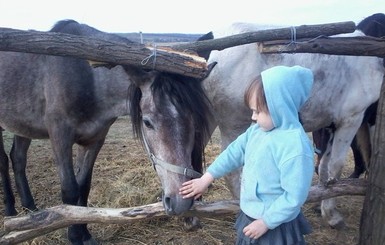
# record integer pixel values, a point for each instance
(356, 46)
(50, 219)
(303, 31)
(62, 44)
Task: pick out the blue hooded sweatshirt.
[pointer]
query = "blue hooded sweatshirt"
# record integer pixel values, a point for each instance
(278, 165)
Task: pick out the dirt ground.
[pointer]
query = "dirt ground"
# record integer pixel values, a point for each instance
(123, 170)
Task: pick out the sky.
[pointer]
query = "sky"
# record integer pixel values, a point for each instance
(179, 16)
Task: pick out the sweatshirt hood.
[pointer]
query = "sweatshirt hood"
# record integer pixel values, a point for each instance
(286, 90)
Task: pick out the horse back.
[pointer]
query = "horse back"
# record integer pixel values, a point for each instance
(36, 86)
(344, 86)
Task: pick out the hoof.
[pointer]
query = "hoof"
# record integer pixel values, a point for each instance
(30, 210)
(338, 226)
(316, 209)
(330, 181)
(10, 212)
(192, 223)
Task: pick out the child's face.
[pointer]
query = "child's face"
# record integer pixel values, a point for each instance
(261, 117)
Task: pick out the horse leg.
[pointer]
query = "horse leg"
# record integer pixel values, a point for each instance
(9, 198)
(62, 139)
(19, 162)
(361, 147)
(322, 139)
(85, 159)
(321, 169)
(341, 143)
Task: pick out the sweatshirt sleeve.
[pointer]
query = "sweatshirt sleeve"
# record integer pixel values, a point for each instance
(231, 158)
(296, 178)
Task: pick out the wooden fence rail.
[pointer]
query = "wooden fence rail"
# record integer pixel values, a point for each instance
(172, 59)
(36, 224)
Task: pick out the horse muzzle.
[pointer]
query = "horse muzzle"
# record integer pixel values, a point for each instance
(176, 205)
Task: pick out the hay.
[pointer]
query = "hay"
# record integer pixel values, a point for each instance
(121, 171)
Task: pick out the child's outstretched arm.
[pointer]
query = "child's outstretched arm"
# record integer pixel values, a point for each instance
(196, 187)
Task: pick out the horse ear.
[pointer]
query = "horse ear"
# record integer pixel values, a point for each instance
(205, 53)
(137, 75)
(210, 67)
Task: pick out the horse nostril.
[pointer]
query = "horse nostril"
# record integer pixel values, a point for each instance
(167, 204)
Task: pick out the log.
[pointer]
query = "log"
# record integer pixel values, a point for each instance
(41, 222)
(45, 221)
(62, 44)
(355, 46)
(171, 59)
(350, 187)
(287, 33)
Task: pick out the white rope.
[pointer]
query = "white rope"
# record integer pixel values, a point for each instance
(152, 55)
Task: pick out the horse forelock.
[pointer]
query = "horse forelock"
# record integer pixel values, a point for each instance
(189, 99)
(135, 95)
(187, 95)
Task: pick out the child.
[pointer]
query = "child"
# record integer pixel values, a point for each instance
(277, 159)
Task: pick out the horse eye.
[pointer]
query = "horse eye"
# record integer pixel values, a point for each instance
(148, 124)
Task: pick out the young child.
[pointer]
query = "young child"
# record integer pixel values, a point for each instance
(277, 159)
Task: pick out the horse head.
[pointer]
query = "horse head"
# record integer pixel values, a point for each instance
(169, 113)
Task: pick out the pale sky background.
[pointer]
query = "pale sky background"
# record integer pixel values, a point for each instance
(178, 16)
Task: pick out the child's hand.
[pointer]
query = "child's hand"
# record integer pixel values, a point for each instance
(196, 187)
(255, 229)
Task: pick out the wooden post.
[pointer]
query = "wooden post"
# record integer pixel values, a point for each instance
(372, 228)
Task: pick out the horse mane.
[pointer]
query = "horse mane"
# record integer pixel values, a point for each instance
(189, 98)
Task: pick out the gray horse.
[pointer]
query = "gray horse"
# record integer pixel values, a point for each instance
(65, 100)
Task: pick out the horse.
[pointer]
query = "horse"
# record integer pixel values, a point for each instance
(107, 80)
(64, 100)
(373, 26)
(344, 87)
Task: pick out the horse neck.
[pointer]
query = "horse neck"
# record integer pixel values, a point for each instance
(112, 90)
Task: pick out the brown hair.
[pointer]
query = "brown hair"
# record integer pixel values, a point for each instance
(256, 86)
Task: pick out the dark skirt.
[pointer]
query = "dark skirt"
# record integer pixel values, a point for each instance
(290, 233)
